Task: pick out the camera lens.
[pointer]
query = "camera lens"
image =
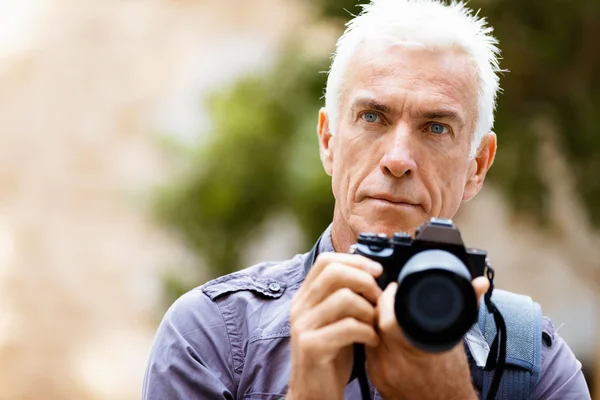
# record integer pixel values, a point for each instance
(435, 302)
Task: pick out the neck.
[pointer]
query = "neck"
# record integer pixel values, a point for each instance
(342, 234)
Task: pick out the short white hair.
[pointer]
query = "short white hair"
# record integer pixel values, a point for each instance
(429, 23)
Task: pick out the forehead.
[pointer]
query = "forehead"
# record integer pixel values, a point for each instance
(413, 76)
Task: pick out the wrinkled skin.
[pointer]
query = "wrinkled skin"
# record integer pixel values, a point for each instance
(399, 156)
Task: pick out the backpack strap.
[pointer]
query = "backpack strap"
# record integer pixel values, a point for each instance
(523, 319)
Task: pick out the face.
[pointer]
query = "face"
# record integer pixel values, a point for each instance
(400, 153)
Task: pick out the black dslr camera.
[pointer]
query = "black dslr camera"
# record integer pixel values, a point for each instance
(435, 303)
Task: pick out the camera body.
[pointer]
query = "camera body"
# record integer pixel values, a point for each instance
(435, 303)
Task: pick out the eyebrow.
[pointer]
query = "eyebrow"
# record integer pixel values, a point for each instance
(443, 114)
(364, 102)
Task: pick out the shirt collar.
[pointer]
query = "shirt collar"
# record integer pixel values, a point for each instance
(326, 244)
(323, 245)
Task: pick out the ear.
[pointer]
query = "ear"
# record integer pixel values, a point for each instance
(480, 165)
(325, 141)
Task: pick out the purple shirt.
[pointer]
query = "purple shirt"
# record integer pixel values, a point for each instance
(229, 339)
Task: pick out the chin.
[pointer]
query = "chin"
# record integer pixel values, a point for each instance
(388, 224)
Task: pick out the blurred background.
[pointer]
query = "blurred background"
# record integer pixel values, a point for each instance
(148, 146)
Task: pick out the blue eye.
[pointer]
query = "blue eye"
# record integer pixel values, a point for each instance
(370, 117)
(438, 129)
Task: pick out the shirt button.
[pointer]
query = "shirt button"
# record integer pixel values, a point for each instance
(274, 287)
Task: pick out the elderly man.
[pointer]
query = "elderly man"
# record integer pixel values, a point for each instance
(405, 136)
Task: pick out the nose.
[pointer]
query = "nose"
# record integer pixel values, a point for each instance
(398, 159)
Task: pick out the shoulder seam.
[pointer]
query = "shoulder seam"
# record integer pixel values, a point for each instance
(234, 275)
(226, 325)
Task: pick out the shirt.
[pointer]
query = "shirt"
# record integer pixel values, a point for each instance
(229, 339)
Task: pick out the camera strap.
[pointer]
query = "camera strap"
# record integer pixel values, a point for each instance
(359, 371)
(497, 357)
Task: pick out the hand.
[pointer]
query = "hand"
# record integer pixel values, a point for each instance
(402, 372)
(334, 308)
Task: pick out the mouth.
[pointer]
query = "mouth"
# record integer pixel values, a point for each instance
(393, 200)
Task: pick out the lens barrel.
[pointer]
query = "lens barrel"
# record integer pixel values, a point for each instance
(435, 303)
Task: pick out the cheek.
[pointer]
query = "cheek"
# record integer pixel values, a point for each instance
(340, 176)
(350, 167)
(452, 185)
(446, 182)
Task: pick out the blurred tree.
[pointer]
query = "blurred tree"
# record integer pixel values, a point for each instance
(262, 154)
(260, 159)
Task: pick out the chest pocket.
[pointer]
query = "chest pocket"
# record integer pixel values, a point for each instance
(256, 312)
(266, 370)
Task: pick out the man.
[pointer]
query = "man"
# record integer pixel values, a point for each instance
(405, 136)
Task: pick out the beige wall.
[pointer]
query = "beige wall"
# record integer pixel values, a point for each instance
(83, 86)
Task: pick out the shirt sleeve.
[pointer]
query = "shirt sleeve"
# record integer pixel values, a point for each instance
(191, 354)
(561, 377)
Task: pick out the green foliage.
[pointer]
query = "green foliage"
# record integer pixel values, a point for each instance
(552, 51)
(262, 157)
(339, 10)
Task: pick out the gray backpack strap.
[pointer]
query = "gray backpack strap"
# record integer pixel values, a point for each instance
(523, 319)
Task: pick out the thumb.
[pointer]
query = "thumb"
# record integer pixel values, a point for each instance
(480, 285)
(386, 311)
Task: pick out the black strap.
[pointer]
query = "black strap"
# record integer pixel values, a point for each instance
(497, 358)
(359, 371)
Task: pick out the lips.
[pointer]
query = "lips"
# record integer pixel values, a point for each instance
(393, 199)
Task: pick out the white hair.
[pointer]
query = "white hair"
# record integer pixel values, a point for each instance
(427, 23)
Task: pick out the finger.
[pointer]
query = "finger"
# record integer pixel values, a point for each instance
(386, 314)
(330, 339)
(343, 303)
(337, 276)
(352, 260)
(480, 285)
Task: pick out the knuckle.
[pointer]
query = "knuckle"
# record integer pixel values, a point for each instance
(352, 324)
(333, 268)
(331, 274)
(325, 258)
(295, 332)
(293, 320)
(345, 295)
(295, 312)
(307, 344)
(302, 341)
(300, 325)
(371, 314)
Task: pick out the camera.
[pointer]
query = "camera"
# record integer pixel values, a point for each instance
(435, 303)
